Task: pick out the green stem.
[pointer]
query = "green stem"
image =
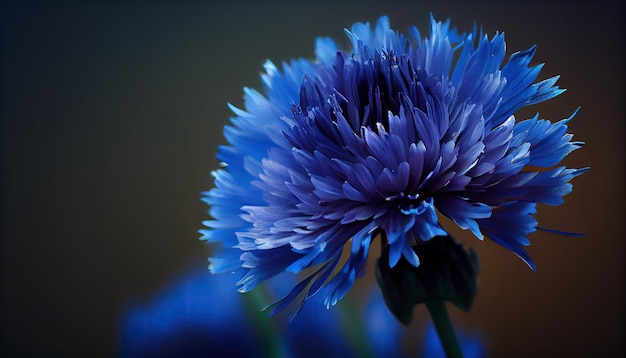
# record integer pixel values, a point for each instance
(439, 314)
(353, 326)
(271, 341)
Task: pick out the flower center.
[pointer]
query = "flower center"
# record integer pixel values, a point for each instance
(413, 204)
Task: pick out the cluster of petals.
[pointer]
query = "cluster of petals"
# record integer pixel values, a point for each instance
(383, 140)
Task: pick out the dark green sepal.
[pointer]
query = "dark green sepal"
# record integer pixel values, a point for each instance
(447, 272)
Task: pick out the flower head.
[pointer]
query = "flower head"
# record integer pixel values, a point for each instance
(383, 139)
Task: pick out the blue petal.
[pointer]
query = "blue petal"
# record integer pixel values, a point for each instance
(509, 225)
(463, 212)
(325, 50)
(549, 141)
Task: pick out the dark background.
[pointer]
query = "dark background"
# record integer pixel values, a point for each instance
(112, 113)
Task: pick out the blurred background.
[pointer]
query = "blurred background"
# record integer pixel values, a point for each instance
(111, 113)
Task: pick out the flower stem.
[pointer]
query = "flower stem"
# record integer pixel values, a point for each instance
(354, 327)
(270, 339)
(439, 314)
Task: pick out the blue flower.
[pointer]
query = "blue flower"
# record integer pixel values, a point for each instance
(200, 315)
(383, 140)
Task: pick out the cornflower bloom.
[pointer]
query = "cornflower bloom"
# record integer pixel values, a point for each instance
(379, 142)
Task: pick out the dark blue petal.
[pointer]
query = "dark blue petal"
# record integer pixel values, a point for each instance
(463, 212)
(509, 225)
